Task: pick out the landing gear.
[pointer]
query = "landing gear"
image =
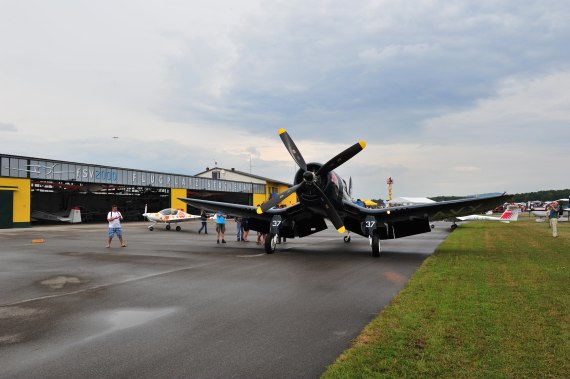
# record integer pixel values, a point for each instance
(453, 226)
(375, 243)
(178, 228)
(167, 226)
(151, 228)
(270, 243)
(347, 239)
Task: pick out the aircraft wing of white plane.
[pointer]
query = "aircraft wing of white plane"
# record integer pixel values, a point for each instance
(511, 214)
(73, 217)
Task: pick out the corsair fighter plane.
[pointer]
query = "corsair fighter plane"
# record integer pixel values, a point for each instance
(322, 194)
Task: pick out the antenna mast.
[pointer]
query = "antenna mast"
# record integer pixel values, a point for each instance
(389, 182)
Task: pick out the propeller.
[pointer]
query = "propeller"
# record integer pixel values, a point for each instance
(145, 214)
(341, 158)
(292, 149)
(312, 179)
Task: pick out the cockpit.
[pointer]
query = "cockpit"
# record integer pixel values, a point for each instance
(169, 212)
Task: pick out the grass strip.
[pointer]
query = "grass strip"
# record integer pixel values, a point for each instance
(492, 302)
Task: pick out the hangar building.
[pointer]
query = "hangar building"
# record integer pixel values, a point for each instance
(30, 184)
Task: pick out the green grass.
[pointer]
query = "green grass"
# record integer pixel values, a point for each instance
(492, 302)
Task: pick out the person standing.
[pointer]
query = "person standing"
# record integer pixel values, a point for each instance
(279, 237)
(245, 226)
(239, 226)
(204, 219)
(553, 217)
(114, 217)
(220, 226)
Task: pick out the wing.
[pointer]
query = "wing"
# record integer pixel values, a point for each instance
(417, 216)
(229, 208)
(300, 222)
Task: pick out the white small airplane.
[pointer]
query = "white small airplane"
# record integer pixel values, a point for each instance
(168, 216)
(511, 214)
(73, 217)
(540, 212)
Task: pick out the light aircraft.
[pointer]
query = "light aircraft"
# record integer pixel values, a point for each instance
(73, 217)
(168, 216)
(511, 214)
(322, 194)
(540, 212)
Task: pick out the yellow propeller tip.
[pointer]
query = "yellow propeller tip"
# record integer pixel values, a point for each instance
(341, 229)
(259, 211)
(281, 131)
(362, 144)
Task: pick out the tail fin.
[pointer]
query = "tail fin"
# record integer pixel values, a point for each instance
(510, 214)
(75, 215)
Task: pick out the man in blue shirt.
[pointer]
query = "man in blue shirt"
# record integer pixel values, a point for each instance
(220, 226)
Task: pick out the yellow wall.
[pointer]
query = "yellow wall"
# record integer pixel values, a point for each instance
(289, 200)
(22, 198)
(258, 198)
(175, 193)
(261, 198)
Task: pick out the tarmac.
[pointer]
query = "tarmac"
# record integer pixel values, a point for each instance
(176, 304)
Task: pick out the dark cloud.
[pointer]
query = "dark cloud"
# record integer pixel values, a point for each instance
(5, 127)
(341, 68)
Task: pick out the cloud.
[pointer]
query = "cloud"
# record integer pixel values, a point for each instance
(5, 127)
(444, 93)
(337, 67)
(533, 109)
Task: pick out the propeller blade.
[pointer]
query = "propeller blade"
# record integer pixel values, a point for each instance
(341, 158)
(331, 212)
(290, 145)
(277, 199)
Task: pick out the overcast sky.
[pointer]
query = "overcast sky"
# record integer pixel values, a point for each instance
(451, 97)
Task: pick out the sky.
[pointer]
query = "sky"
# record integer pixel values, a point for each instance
(451, 97)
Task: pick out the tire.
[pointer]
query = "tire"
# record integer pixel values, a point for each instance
(375, 242)
(347, 239)
(167, 226)
(270, 242)
(178, 228)
(151, 228)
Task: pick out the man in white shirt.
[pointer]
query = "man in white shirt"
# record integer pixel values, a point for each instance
(114, 217)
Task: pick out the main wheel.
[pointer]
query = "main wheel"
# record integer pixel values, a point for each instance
(178, 228)
(270, 243)
(347, 239)
(375, 243)
(151, 228)
(453, 226)
(167, 226)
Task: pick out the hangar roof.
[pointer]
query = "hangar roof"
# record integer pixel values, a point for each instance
(240, 173)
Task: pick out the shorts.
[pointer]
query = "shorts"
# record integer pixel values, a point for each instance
(221, 228)
(118, 231)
